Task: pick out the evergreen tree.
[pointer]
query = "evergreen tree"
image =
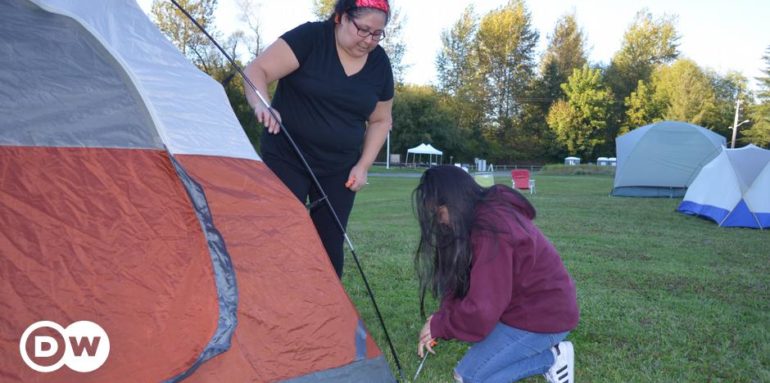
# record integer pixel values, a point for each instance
(580, 120)
(759, 132)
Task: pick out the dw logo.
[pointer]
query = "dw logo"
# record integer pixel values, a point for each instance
(46, 346)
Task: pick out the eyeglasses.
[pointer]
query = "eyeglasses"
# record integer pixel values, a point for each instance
(362, 32)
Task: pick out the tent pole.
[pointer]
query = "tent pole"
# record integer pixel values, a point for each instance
(315, 182)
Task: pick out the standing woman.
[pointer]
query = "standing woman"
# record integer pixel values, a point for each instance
(502, 284)
(334, 96)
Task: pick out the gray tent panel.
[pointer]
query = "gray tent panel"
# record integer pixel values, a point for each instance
(662, 159)
(368, 370)
(649, 191)
(83, 101)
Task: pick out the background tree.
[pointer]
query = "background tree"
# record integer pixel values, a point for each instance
(460, 80)
(648, 43)
(249, 10)
(684, 91)
(566, 51)
(457, 62)
(183, 33)
(728, 89)
(201, 52)
(395, 45)
(642, 108)
(505, 43)
(420, 115)
(759, 132)
(580, 120)
(323, 8)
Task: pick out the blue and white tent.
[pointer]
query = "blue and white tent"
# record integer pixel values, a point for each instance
(733, 189)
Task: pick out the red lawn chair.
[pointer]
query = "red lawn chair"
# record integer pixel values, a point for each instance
(520, 179)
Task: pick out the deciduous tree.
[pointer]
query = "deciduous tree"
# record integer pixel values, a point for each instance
(642, 108)
(421, 116)
(459, 79)
(183, 33)
(684, 91)
(579, 120)
(506, 43)
(648, 43)
(566, 51)
(728, 89)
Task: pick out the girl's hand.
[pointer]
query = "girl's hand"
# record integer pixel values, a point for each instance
(426, 341)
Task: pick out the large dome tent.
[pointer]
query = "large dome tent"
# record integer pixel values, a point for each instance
(663, 158)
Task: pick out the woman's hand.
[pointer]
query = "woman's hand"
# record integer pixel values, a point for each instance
(264, 116)
(357, 178)
(426, 339)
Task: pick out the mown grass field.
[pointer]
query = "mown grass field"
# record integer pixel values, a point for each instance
(664, 297)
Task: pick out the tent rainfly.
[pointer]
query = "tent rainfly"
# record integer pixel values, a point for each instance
(662, 159)
(733, 189)
(130, 197)
(424, 149)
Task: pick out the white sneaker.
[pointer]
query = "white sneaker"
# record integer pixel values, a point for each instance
(563, 369)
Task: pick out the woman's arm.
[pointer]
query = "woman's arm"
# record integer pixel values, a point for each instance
(277, 61)
(380, 122)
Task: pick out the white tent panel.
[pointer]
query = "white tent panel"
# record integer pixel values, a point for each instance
(425, 149)
(432, 150)
(196, 121)
(759, 192)
(733, 189)
(719, 187)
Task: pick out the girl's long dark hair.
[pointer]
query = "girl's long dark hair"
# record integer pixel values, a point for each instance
(443, 257)
(444, 254)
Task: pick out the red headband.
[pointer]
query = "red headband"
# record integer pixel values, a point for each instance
(376, 4)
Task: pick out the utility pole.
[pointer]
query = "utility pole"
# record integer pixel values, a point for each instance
(735, 122)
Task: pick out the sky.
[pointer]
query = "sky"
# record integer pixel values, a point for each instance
(721, 35)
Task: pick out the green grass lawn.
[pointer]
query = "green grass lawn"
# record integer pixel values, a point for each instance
(664, 297)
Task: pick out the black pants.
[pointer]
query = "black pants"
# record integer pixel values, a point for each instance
(300, 183)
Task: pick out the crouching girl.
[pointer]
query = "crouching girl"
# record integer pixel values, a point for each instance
(502, 284)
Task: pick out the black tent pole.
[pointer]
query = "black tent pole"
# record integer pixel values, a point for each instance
(315, 181)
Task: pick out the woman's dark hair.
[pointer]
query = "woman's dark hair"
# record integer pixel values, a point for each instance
(350, 7)
(443, 257)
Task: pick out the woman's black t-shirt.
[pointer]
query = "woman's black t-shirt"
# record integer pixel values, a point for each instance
(325, 110)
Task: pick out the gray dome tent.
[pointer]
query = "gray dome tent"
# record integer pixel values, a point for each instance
(662, 159)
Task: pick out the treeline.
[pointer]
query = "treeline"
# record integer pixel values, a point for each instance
(497, 98)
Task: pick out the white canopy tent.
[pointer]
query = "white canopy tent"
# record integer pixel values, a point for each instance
(424, 149)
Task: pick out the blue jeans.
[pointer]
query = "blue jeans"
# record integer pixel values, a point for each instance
(507, 355)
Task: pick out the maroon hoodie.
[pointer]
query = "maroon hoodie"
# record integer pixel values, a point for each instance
(517, 277)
